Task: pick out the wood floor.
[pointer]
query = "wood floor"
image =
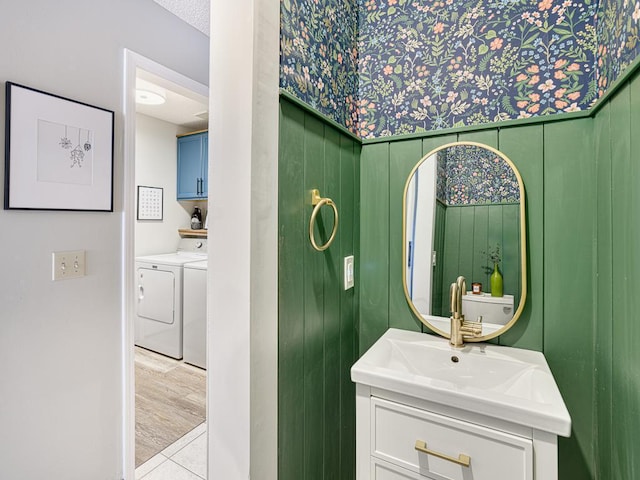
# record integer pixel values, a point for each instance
(170, 401)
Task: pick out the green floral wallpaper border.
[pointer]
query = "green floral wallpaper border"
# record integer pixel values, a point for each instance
(394, 67)
(319, 55)
(618, 45)
(471, 175)
(429, 66)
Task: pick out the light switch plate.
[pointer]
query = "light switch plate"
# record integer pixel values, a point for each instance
(68, 265)
(349, 274)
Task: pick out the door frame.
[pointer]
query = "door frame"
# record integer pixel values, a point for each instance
(133, 61)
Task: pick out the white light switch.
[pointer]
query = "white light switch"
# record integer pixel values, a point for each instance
(68, 265)
(348, 272)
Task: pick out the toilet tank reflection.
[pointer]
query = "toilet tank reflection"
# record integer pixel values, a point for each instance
(497, 310)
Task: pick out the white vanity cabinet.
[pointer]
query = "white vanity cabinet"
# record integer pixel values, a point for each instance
(399, 438)
(427, 410)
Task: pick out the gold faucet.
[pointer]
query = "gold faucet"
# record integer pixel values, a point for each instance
(460, 328)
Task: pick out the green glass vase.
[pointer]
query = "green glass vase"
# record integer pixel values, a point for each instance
(496, 282)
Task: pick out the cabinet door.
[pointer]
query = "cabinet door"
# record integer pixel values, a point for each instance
(189, 166)
(204, 188)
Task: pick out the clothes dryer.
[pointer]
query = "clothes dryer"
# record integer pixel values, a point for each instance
(195, 314)
(158, 322)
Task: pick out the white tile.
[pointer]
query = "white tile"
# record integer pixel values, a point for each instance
(200, 429)
(171, 471)
(149, 465)
(194, 456)
(185, 440)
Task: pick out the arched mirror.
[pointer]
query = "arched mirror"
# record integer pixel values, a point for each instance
(464, 215)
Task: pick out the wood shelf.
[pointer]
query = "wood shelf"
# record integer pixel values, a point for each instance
(187, 232)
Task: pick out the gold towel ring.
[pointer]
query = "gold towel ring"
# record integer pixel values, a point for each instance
(318, 203)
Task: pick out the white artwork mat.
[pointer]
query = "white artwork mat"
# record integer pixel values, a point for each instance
(60, 153)
(61, 159)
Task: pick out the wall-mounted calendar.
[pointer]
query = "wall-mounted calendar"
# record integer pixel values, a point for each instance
(149, 203)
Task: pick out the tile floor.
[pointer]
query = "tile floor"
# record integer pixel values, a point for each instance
(186, 459)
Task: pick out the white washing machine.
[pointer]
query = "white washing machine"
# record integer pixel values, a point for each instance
(195, 314)
(158, 322)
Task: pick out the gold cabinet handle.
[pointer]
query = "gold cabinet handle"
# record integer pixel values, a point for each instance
(464, 460)
(318, 203)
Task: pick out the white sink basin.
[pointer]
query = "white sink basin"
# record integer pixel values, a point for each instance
(501, 382)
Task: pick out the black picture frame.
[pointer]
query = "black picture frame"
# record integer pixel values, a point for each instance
(59, 153)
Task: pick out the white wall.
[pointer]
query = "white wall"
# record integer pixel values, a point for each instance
(61, 343)
(423, 200)
(156, 166)
(243, 263)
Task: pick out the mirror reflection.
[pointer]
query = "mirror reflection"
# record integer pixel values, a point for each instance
(463, 216)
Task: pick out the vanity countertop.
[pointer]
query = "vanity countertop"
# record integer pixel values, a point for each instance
(501, 382)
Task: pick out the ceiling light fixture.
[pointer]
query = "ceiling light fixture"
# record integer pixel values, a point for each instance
(147, 97)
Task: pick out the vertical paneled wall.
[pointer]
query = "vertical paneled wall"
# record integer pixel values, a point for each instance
(385, 167)
(581, 179)
(472, 230)
(557, 164)
(437, 290)
(569, 283)
(618, 261)
(317, 317)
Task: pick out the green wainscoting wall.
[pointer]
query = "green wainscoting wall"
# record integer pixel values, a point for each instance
(617, 346)
(437, 288)
(582, 181)
(317, 317)
(557, 164)
(471, 230)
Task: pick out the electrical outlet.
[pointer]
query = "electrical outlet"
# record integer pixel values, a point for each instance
(68, 265)
(349, 274)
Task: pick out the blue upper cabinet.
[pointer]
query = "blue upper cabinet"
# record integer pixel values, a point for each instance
(193, 166)
(205, 165)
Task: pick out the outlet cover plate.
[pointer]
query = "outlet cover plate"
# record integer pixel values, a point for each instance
(68, 265)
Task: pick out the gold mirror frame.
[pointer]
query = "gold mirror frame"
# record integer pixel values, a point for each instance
(523, 245)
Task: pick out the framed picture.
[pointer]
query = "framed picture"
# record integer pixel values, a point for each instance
(149, 203)
(58, 153)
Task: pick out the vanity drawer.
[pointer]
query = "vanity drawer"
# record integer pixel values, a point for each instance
(381, 470)
(396, 430)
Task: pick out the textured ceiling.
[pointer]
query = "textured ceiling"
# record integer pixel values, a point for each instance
(194, 12)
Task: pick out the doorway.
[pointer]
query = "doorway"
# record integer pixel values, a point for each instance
(171, 393)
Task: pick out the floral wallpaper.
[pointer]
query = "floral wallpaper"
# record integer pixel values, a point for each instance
(432, 65)
(618, 46)
(319, 55)
(441, 176)
(392, 67)
(470, 175)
